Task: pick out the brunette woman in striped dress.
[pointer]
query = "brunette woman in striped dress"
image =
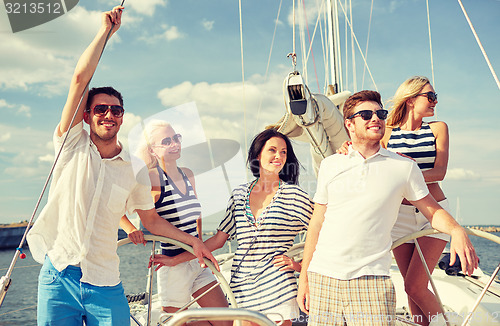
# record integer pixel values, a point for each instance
(265, 215)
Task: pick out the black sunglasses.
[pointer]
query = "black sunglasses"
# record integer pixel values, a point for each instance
(167, 141)
(431, 96)
(102, 109)
(367, 114)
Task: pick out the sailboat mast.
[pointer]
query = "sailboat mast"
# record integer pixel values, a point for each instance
(334, 48)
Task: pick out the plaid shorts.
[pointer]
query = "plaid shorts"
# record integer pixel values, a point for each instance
(367, 300)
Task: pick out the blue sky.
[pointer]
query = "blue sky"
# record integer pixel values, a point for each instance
(169, 53)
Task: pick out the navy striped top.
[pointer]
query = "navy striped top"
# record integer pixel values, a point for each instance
(255, 282)
(418, 144)
(182, 210)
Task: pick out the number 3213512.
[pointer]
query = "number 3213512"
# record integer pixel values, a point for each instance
(33, 8)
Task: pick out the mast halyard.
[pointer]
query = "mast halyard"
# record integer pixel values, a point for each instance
(334, 47)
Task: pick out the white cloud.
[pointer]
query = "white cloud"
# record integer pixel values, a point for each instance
(169, 33)
(47, 158)
(19, 109)
(461, 174)
(172, 33)
(25, 110)
(130, 120)
(43, 58)
(312, 10)
(26, 62)
(25, 148)
(208, 24)
(222, 108)
(4, 104)
(145, 7)
(5, 137)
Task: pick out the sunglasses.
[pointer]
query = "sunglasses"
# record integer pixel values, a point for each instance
(368, 114)
(102, 109)
(431, 96)
(167, 141)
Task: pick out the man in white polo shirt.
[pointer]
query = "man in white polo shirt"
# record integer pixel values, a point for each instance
(93, 186)
(347, 251)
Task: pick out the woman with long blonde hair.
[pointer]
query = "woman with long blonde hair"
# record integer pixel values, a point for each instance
(427, 143)
(174, 194)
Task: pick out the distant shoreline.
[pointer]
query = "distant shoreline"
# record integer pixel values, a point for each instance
(485, 228)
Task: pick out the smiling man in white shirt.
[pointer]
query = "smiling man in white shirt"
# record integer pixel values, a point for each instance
(345, 270)
(93, 186)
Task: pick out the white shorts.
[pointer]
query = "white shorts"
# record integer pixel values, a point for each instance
(288, 310)
(176, 284)
(411, 220)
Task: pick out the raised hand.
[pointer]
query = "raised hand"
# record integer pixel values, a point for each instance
(112, 19)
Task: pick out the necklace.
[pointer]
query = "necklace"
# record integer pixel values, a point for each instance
(257, 221)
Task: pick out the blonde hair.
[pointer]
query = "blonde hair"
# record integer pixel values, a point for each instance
(144, 150)
(398, 104)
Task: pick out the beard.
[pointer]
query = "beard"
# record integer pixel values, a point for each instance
(102, 134)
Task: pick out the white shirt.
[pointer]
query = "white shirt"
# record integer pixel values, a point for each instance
(87, 198)
(362, 197)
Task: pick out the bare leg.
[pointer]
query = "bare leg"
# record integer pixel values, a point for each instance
(214, 298)
(423, 304)
(403, 255)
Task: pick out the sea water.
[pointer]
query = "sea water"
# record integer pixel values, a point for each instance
(19, 307)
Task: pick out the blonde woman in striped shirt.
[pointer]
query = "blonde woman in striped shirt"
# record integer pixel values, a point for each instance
(427, 143)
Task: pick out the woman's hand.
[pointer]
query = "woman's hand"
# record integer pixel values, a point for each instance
(137, 237)
(344, 148)
(286, 263)
(162, 260)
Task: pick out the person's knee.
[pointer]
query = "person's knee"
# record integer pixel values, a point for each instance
(415, 289)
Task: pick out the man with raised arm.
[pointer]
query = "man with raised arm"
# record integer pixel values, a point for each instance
(345, 270)
(93, 186)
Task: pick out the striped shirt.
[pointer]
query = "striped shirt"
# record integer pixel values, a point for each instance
(418, 144)
(256, 283)
(182, 210)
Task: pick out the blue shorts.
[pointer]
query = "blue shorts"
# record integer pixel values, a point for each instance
(64, 300)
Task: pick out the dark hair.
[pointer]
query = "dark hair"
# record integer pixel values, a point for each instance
(103, 90)
(290, 172)
(356, 98)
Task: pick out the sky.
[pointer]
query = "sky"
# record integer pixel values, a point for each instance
(168, 54)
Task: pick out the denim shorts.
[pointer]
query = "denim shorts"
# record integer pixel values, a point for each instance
(64, 300)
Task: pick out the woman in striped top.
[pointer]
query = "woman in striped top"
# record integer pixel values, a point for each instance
(176, 201)
(265, 215)
(427, 144)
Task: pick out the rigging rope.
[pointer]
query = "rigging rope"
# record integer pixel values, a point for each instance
(367, 42)
(353, 51)
(430, 43)
(243, 79)
(346, 50)
(293, 27)
(310, 45)
(480, 45)
(266, 75)
(359, 48)
(324, 48)
(17, 310)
